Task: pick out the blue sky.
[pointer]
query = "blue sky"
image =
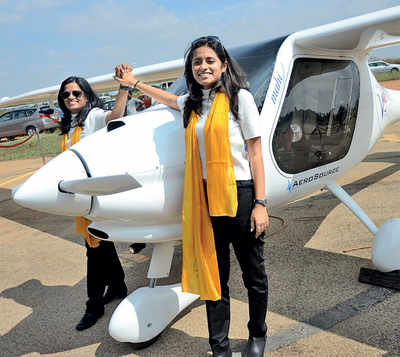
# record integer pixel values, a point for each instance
(45, 41)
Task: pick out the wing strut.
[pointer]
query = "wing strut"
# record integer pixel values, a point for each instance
(343, 196)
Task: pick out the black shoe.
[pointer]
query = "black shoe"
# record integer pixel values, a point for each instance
(227, 353)
(255, 347)
(88, 320)
(115, 293)
(136, 247)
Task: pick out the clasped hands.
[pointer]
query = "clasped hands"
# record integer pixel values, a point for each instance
(124, 75)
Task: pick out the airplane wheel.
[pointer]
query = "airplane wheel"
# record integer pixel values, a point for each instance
(141, 345)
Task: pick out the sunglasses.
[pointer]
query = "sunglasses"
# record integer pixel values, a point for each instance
(211, 39)
(75, 93)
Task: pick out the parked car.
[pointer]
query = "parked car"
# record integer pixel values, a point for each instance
(140, 104)
(105, 98)
(109, 105)
(26, 121)
(382, 66)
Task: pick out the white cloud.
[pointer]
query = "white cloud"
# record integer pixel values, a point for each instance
(139, 25)
(12, 12)
(30, 5)
(145, 33)
(109, 32)
(141, 31)
(119, 17)
(52, 53)
(8, 19)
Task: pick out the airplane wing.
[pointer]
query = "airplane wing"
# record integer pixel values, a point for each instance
(153, 73)
(361, 33)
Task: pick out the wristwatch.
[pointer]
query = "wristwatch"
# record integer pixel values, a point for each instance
(261, 202)
(125, 87)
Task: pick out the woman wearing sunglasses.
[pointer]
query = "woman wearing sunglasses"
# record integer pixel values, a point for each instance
(83, 115)
(224, 178)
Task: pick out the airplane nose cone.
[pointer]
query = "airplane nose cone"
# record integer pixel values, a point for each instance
(40, 192)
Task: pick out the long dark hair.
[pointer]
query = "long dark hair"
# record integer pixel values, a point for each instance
(92, 101)
(232, 80)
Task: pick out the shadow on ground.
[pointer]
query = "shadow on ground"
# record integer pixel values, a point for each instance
(313, 282)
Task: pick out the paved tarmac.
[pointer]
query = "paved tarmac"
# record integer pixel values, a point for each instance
(317, 307)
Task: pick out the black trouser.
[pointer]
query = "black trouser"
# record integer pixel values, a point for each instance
(249, 253)
(103, 269)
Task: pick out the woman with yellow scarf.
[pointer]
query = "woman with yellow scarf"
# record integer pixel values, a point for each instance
(224, 188)
(83, 115)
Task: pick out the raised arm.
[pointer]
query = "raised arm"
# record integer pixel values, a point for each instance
(125, 77)
(120, 102)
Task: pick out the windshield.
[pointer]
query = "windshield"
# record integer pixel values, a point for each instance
(257, 60)
(318, 116)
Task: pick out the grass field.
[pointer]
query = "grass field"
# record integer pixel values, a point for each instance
(31, 148)
(388, 76)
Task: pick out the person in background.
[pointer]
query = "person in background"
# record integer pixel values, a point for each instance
(82, 116)
(131, 104)
(225, 182)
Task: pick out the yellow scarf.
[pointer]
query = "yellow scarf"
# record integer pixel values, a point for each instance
(81, 223)
(200, 266)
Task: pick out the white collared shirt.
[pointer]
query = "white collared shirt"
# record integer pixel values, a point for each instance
(95, 120)
(247, 127)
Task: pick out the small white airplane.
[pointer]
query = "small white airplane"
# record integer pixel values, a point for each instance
(322, 111)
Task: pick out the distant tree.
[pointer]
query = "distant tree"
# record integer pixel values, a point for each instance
(393, 60)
